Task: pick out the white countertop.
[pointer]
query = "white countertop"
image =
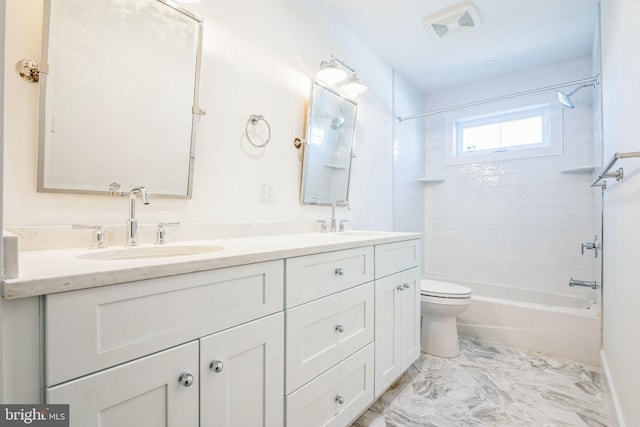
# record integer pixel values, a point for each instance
(53, 271)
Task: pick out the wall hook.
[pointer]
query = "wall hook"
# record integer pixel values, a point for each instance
(28, 70)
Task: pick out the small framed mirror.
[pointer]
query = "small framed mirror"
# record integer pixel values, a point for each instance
(329, 136)
(119, 101)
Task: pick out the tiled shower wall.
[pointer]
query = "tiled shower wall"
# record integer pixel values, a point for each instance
(516, 222)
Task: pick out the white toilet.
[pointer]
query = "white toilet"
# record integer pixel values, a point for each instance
(440, 303)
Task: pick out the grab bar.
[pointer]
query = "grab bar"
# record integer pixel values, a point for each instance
(576, 282)
(619, 174)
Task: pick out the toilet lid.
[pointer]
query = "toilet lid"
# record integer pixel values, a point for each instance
(443, 289)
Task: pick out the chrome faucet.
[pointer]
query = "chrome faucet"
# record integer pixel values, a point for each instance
(333, 221)
(132, 222)
(592, 246)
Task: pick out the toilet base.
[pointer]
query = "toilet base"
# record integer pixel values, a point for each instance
(439, 336)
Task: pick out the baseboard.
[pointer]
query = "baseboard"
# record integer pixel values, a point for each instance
(610, 395)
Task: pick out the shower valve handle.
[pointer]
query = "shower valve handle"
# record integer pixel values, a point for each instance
(592, 246)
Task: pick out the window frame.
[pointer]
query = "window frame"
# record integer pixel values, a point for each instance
(505, 111)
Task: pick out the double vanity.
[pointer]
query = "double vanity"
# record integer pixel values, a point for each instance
(298, 330)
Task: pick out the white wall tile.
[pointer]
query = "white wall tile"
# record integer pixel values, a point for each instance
(517, 222)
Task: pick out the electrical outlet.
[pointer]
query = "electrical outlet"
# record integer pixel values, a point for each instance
(265, 192)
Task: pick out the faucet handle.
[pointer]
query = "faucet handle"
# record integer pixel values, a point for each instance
(98, 241)
(161, 232)
(342, 222)
(323, 225)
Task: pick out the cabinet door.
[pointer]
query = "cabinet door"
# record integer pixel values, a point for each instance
(409, 317)
(142, 393)
(242, 375)
(387, 331)
(397, 330)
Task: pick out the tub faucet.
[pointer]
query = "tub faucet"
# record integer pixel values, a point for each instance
(333, 221)
(132, 222)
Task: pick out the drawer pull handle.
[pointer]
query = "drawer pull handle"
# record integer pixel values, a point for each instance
(400, 288)
(340, 328)
(186, 379)
(339, 271)
(216, 366)
(339, 400)
(406, 285)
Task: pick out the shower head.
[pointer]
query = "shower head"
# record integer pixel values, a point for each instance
(565, 98)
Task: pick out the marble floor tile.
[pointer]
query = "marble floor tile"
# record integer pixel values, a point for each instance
(491, 385)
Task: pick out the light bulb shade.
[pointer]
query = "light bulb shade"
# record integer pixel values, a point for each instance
(330, 73)
(352, 87)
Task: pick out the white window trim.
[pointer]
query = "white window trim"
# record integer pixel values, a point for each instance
(554, 120)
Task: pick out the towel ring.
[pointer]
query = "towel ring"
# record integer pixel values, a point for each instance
(253, 120)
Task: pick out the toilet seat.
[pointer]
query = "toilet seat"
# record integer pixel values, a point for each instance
(439, 289)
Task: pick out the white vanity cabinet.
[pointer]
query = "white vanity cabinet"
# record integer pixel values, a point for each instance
(397, 308)
(297, 334)
(200, 349)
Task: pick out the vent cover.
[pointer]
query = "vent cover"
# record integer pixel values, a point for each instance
(452, 21)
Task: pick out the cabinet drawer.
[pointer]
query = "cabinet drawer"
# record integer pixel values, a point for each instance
(314, 276)
(93, 329)
(142, 393)
(323, 332)
(336, 397)
(398, 256)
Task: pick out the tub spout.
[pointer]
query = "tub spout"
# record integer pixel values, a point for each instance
(576, 282)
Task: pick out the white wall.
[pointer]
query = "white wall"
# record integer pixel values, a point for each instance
(621, 91)
(514, 222)
(408, 152)
(258, 58)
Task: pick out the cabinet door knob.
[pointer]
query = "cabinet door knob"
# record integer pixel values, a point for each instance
(186, 379)
(340, 328)
(216, 366)
(339, 271)
(340, 400)
(406, 285)
(400, 288)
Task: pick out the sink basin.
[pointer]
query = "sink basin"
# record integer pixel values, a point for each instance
(144, 252)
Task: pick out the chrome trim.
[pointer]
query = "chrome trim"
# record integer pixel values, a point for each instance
(619, 174)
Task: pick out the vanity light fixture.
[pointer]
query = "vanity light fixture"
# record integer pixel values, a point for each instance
(331, 74)
(352, 86)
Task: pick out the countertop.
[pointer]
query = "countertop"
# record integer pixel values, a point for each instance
(53, 271)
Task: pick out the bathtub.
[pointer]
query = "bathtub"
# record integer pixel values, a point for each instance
(556, 324)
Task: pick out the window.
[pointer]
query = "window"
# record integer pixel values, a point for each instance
(517, 132)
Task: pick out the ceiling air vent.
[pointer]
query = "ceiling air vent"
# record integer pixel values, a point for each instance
(454, 20)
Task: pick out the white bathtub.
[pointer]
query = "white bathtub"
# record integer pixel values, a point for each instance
(556, 324)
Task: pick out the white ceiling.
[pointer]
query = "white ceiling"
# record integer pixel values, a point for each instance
(517, 34)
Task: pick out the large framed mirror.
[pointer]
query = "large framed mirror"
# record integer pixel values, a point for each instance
(328, 151)
(118, 97)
